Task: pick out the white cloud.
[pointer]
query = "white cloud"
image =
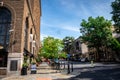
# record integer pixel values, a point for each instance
(101, 9)
(75, 29)
(48, 25)
(42, 36)
(63, 26)
(45, 35)
(83, 11)
(68, 4)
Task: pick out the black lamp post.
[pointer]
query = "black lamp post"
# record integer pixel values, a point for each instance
(67, 46)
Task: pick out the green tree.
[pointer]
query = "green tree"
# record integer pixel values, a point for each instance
(68, 41)
(63, 55)
(116, 15)
(96, 32)
(51, 47)
(115, 46)
(116, 18)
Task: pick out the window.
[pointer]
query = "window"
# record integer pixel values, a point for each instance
(26, 33)
(5, 21)
(31, 40)
(31, 31)
(77, 45)
(13, 65)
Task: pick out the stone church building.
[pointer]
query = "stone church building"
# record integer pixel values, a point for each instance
(19, 33)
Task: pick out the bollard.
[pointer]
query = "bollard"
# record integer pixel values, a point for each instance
(61, 64)
(64, 65)
(68, 68)
(92, 64)
(72, 67)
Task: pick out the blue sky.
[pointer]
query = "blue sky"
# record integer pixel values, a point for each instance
(61, 18)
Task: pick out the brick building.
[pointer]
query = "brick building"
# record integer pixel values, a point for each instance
(19, 33)
(81, 49)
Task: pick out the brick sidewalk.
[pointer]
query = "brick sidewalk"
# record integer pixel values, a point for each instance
(44, 72)
(44, 79)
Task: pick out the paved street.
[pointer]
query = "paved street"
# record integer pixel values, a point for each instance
(92, 74)
(99, 71)
(82, 71)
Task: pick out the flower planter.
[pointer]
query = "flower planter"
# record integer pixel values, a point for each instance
(24, 71)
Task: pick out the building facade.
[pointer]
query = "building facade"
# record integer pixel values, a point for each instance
(19, 33)
(80, 49)
(77, 46)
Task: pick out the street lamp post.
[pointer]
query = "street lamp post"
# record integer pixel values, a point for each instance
(67, 44)
(68, 64)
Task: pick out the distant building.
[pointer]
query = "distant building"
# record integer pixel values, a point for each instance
(77, 46)
(19, 33)
(117, 36)
(80, 48)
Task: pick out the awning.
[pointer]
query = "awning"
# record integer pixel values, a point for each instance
(27, 53)
(3, 51)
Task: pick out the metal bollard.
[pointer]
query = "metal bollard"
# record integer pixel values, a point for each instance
(68, 68)
(64, 65)
(92, 63)
(72, 66)
(61, 63)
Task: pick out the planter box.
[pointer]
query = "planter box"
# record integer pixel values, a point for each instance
(24, 71)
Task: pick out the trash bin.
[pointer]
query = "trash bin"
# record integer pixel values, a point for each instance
(24, 71)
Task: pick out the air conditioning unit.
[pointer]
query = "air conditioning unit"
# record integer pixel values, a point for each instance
(31, 37)
(1, 3)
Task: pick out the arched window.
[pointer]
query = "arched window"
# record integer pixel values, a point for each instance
(31, 31)
(31, 41)
(5, 21)
(26, 32)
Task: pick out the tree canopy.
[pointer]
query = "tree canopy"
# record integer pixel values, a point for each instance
(116, 15)
(51, 47)
(67, 41)
(96, 32)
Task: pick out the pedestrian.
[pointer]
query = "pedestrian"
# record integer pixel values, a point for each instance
(33, 68)
(57, 64)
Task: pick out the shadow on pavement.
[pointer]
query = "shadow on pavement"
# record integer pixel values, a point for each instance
(107, 74)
